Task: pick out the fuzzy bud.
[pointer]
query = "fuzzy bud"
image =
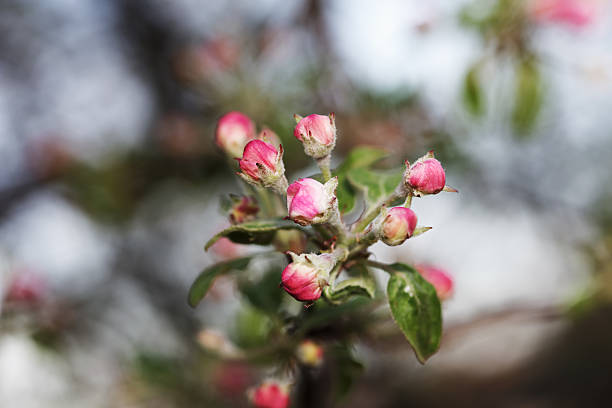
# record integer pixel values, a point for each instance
(270, 394)
(234, 131)
(243, 210)
(310, 353)
(398, 225)
(439, 280)
(262, 164)
(305, 277)
(317, 134)
(426, 176)
(310, 202)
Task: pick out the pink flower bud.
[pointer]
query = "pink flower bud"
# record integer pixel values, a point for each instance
(398, 225)
(271, 394)
(426, 176)
(439, 279)
(243, 210)
(226, 249)
(26, 288)
(262, 164)
(234, 131)
(301, 281)
(310, 353)
(305, 277)
(269, 136)
(574, 12)
(317, 133)
(310, 202)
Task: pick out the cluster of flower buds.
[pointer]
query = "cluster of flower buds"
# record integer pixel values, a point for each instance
(310, 202)
(270, 394)
(439, 280)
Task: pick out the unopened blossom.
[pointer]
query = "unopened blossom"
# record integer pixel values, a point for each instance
(270, 394)
(310, 353)
(578, 13)
(269, 136)
(317, 134)
(234, 131)
(262, 164)
(426, 176)
(307, 275)
(310, 202)
(439, 280)
(398, 225)
(26, 288)
(243, 210)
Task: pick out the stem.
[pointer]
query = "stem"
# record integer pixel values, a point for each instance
(379, 265)
(324, 164)
(366, 219)
(266, 203)
(336, 222)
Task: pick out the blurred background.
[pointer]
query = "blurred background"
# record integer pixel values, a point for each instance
(110, 186)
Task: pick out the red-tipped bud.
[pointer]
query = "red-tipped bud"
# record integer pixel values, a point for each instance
(398, 225)
(317, 133)
(262, 164)
(310, 202)
(310, 353)
(426, 176)
(305, 277)
(243, 210)
(439, 280)
(234, 131)
(269, 136)
(270, 394)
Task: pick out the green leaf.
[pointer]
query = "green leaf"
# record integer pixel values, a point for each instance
(473, 97)
(375, 185)
(204, 281)
(264, 293)
(260, 232)
(416, 309)
(528, 97)
(361, 283)
(359, 157)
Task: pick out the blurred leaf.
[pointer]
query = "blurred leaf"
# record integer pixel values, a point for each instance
(359, 157)
(347, 369)
(416, 309)
(264, 294)
(361, 283)
(203, 282)
(375, 185)
(252, 328)
(528, 97)
(260, 232)
(473, 97)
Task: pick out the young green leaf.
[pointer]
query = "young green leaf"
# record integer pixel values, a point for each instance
(204, 281)
(473, 97)
(375, 185)
(528, 98)
(361, 283)
(358, 158)
(260, 232)
(416, 309)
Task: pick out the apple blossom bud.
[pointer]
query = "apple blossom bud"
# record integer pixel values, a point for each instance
(270, 394)
(243, 210)
(262, 164)
(439, 279)
(305, 277)
(578, 13)
(26, 288)
(234, 131)
(310, 202)
(317, 134)
(398, 225)
(310, 353)
(269, 136)
(426, 176)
